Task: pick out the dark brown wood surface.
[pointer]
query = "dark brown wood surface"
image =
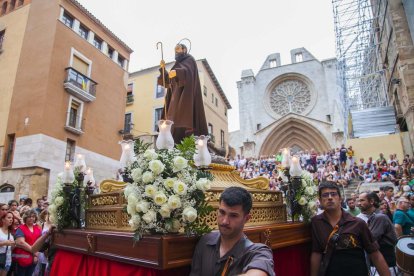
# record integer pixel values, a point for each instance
(167, 251)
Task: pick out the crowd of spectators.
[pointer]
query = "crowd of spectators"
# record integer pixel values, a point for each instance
(23, 236)
(337, 165)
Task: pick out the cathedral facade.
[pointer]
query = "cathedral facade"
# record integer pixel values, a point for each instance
(298, 105)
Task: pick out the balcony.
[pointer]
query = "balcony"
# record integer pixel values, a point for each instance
(129, 99)
(79, 85)
(74, 124)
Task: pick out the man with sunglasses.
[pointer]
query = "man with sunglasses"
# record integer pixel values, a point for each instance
(340, 240)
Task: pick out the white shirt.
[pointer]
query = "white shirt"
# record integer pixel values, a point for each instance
(3, 237)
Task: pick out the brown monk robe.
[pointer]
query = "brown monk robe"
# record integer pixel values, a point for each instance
(183, 101)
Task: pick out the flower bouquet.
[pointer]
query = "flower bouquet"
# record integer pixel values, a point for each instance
(165, 193)
(306, 196)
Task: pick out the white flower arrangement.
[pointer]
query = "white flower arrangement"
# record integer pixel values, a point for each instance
(306, 196)
(165, 193)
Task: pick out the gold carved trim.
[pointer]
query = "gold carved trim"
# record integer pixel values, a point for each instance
(109, 185)
(261, 183)
(104, 200)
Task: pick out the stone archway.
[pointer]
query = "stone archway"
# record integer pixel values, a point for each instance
(294, 133)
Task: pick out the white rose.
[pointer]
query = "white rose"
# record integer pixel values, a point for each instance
(203, 184)
(156, 166)
(169, 183)
(150, 190)
(302, 201)
(304, 184)
(150, 154)
(179, 163)
(312, 205)
(142, 206)
(59, 201)
(160, 198)
(128, 190)
(173, 226)
(131, 208)
(135, 221)
(165, 211)
(52, 209)
(174, 202)
(136, 174)
(147, 177)
(150, 216)
(309, 190)
(180, 188)
(132, 199)
(190, 214)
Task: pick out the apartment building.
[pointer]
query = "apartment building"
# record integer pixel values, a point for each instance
(62, 84)
(145, 101)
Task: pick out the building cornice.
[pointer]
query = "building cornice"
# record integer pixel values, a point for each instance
(98, 22)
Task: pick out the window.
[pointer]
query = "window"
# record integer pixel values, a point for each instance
(130, 94)
(67, 19)
(298, 57)
(328, 118)
(130, 87)
(212, 98)
(12, 4)
(225, 111)
(121, 60)
(2, 34)
(6, 188)
(4, 8)
(110, 52)
(222, 138)
(216, 102)
(157, 117)
(97, 42)
(83, 32)
(70, 150)
(74, 118)
(205, 90)
(272, 63)
(9, 150)
(210, 128)
(258, 126)
(160, 91)
(128, 123)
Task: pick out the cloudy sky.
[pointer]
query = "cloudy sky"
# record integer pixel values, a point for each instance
(232, 35)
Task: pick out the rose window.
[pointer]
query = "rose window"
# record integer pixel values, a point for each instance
(290, 96)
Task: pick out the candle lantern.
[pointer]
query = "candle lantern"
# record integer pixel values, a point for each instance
(285, 158)
(165, 139)
(68, 175)
(128, 155)
(80, 162)
(202, 157)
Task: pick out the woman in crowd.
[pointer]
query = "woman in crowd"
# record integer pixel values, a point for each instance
(46, 225)
(4, 208)
(13, 208)
(7, 242)
(26, 236)
(28, 202)
(385, 209)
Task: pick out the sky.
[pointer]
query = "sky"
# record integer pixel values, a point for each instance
(233, 35)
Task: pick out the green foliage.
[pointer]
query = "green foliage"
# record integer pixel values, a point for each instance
(187, 147)
(140, 146)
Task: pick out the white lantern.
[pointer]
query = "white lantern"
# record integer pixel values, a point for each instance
(89, 178)
(202, 157)
(128, 155)
(285, 158)
(295, 169)
(165, 139)
(68, 175)
(80, 162)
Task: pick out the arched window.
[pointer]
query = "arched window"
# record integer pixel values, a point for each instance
(12, 4)
(6, 188)
(4, 8)
(20, 3)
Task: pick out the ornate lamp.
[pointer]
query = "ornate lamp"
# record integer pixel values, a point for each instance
(295, 181)
(202, 157)
(72, 193)
(165, 139)
(89, 181)
(128, 155)
(68, 175)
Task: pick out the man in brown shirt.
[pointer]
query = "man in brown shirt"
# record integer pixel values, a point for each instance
(229, 251)
(339, 239)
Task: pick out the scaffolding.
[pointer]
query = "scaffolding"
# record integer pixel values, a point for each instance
(360, 70)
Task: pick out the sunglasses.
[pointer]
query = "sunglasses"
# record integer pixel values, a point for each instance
(331, 194)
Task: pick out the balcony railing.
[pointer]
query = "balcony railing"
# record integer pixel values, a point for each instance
(80, 85)
(129, 99)
(74, 123)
